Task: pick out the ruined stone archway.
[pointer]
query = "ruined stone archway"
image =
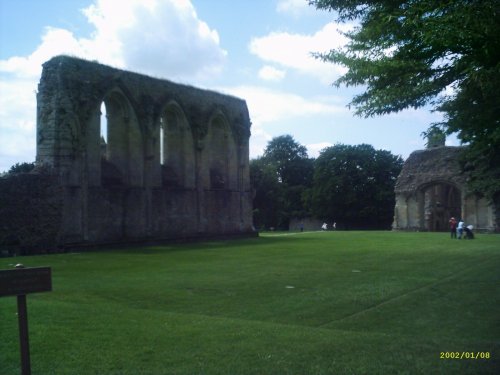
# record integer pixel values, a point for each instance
(431, 188)
(439, 201)
(151, 178)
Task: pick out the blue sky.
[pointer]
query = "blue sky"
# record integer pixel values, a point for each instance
(258, 50)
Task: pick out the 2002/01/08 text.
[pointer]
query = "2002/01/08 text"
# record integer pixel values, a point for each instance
(464, 355)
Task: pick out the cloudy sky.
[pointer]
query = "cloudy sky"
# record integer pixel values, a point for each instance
(258, 50)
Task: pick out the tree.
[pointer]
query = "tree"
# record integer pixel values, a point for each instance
(354, 186)
(412, 53)
(280, 179)
(268, 193)
(435, 137)
(290, 159)
(21, 168)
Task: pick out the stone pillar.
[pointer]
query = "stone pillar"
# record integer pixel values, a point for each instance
(93, 148)
(200, 188)
(420, 214)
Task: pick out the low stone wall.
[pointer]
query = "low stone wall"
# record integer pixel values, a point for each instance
(30, 213)
(40, 216)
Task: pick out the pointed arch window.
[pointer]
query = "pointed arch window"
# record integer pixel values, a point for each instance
(176, 148)
(120, 140)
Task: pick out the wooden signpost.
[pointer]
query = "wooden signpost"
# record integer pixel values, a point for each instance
(20, 282)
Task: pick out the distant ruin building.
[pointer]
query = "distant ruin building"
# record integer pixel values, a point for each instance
(168, 161)
(431, 189)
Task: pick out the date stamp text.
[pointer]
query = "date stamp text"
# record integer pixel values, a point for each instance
(464, 355)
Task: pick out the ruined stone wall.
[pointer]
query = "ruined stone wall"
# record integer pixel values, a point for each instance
(426, 166)
(431, 188)
(173, 164)
(30, 213)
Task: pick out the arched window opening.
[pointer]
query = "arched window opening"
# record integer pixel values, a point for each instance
(162, 140)
(120, 142)
(221, 155)
(176, 149)
(103, 131)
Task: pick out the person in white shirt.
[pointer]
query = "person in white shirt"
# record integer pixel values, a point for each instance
(460, 229)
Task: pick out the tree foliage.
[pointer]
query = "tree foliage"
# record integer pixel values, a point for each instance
(268, 201)
(354, 186)
(435, 137)
(21, 168)
(293, 166)
(412, 53)
(280, 178)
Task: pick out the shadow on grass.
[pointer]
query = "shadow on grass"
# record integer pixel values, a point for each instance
(236, 243)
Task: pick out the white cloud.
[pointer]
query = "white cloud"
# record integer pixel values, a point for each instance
(267, 107)
(17, 97)
(17, 146)
(315, 148)
(258, 141)
(163, 38)
(17, 122)
(293, 7)
(270, 73)
(294, 50)
(54, 42)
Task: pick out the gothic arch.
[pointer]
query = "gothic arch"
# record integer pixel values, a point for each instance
(220, 154)
(113, 191)
(123, 154)
(176, 147)
(438, 201)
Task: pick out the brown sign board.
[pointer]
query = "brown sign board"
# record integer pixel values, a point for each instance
(23, 281)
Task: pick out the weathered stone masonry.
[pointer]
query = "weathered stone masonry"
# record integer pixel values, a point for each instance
(175, 164)
(431, 188)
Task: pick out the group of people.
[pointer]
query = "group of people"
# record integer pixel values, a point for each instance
(459, 230)
(325, 226)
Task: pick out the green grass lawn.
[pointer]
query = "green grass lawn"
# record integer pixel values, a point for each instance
(305, 303)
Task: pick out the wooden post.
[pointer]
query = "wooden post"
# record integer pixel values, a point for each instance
(22, 313)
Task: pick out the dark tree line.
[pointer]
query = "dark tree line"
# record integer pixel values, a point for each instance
(352, 185)
(21, 168)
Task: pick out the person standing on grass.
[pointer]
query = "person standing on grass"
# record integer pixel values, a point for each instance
(460, 229)
(453, 227)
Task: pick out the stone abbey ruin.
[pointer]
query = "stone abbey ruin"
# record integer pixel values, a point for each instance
(431, 188)
(174, 163)
(171, 162)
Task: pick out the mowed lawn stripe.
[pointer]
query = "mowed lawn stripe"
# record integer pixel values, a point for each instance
(453, 279)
